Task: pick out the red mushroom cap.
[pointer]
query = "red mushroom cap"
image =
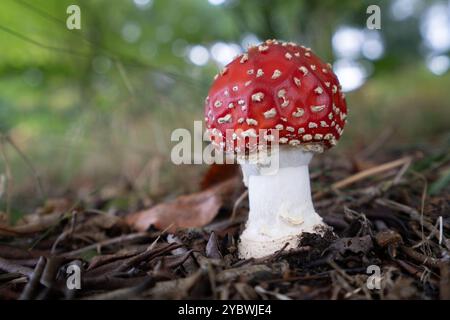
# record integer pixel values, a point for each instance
(282, 86)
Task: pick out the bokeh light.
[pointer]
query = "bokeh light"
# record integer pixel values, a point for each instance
(198, 55)
(216, 2)
(351, 74)
(435, 27)
(438, 64)
(223, 53)
(143, 4)
(131, 32)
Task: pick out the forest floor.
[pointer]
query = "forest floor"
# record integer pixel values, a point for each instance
(390, 215)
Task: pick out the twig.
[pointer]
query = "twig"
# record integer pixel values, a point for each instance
(118, 240)
(370, 172)
(51, 270)
(237, 204)
(32, 285)
(428, 261)
(125, 293)
(7, 266)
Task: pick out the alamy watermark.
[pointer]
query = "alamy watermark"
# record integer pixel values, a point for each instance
(74, 19)
(374, 280)
(74, 277)
(260, 146)
(374, 20)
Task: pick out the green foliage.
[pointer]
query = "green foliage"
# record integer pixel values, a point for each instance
(89, 100)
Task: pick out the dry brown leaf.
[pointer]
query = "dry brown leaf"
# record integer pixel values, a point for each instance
(188, 211)
(37, 225)
(217, 173)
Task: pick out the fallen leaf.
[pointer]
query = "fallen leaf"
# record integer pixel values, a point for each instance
(36, 225)
(188, 211)
(217, 173)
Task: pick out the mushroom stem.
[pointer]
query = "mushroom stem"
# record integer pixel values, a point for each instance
(281, 207)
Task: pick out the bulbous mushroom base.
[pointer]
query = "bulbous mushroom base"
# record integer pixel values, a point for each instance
(252, 245)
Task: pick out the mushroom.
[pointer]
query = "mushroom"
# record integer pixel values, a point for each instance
(284, 87)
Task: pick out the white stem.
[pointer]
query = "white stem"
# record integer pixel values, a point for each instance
(281, 207)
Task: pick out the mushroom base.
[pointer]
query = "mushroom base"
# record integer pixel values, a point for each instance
(250, 247)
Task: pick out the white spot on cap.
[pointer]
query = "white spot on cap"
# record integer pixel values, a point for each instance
(281, 93)
(270, 113)
(258, 97)
(218, 104)
(251, 122)
(279, 127)
(250, 71)
(225, 119)
(307, 137)
(244, 58)
(290, 129)
(284, 140)
(259, 73)
(276, 74)
(327, 84)
(328, 136)
(323, 124)
(318, 108)
(301, 130)
(318, 136)
(312, 125)
(263, 48)
(288, 56)
(241, 120)
(304, 70)
(249, 133)
(307, 54)
(294, 142)
(235, 88)
(297, 82)
(285, 103)
(300, 112)
(318, 90)
(249, 82)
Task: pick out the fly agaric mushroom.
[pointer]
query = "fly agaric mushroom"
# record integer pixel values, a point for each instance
(285, 87)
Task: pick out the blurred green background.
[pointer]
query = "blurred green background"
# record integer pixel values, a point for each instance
(92, 110)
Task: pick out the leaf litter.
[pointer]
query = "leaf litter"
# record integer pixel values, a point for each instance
(380, 210)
